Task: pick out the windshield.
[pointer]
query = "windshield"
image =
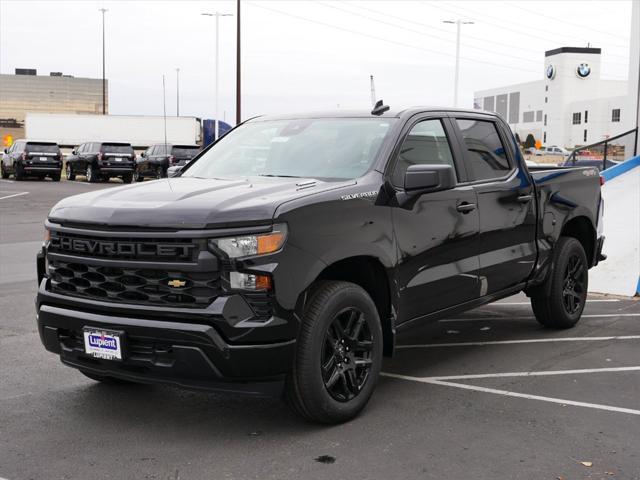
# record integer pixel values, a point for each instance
(117, 148)
(42, 147)
(334, 148)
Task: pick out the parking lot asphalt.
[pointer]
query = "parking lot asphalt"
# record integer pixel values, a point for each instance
(488, 394)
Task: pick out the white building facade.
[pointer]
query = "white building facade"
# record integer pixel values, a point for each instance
(571, 106)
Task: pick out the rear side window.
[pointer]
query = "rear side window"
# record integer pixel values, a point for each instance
(486, 156)
(426, 144)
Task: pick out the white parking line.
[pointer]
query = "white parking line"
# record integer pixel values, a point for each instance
(528, 340)
(6, 181)
(444, 381)
(14, 195)
(530, 317)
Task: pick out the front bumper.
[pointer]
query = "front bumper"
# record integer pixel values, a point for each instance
(191, 355)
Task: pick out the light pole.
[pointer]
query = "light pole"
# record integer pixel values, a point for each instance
(457, 23)
(217, 15)
(177, 92)
(104, 86)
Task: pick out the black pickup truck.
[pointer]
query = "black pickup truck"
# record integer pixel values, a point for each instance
(286, 257)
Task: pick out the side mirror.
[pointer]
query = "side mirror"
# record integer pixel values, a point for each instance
(74, 152)
(429, 178)
(143, 154)
(6, 150)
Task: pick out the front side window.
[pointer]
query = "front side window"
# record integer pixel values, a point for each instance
(486, 156)
(425, 144)
(576, 120)
(326, 148)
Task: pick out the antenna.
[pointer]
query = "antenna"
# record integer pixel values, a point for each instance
(379, 108)
(373, 92)
(164, 113)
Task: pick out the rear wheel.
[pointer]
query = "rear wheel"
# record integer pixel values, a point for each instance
(55, 177)
(92, 177)
(3, 173)
(339, 354)
(19, 173)
(567, 287)
(137, 176)
(68, 172)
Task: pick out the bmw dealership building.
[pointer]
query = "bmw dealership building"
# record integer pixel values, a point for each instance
(571, 105)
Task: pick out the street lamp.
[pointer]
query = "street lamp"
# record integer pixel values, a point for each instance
(457, 23)
(104, 88)
(217, 15)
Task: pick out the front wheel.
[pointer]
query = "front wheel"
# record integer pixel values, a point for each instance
(3, 173)
(137, 176)
(339, 354)
(566, 288)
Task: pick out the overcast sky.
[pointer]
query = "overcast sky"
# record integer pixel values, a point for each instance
(305, 55)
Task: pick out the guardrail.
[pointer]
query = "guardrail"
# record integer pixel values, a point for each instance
(618, 148)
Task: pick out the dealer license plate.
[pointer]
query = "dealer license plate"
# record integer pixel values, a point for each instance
(105, 344)
(43, 159)
(119, 159)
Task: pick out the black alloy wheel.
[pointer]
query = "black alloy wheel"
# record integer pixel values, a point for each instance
(346, 356)
(574, 284)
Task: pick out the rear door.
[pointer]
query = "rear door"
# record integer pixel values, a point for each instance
(507, 249)
(436, 232)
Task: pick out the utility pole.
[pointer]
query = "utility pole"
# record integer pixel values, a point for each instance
(238, 57)
(457, 23)
(373, 92)
(164, 114)
(177, 92)
(104, 84)
(217, 15)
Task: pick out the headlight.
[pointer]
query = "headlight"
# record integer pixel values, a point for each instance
(250, 245)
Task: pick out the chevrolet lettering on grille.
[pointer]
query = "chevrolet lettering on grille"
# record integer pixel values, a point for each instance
(118, 248)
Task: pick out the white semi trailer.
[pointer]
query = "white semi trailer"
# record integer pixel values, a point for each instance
(69, 130)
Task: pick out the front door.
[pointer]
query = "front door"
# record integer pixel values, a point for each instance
(506, 201)
(436, 232)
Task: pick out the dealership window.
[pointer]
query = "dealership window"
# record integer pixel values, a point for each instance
(527, 117)
(584, 137)
(486, 155)
(514, 107)
(546, 88)
(538, 115)
(546, 99)
(489, 104)
(544, 137)
(615, 115)
(577, 118)
(586, 116)
(545, 119)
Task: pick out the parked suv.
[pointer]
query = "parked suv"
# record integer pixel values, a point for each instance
(291, 251)
(101, 161)
(155, 161)
(32, 159)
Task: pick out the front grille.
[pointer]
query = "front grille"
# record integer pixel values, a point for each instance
(135, 285)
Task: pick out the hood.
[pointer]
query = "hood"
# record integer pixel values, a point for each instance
(185, 202)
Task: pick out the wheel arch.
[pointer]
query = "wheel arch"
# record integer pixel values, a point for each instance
(581, 228)
(369, 273)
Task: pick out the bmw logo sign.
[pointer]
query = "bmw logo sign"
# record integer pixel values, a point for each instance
(551, 72)
(583, 70)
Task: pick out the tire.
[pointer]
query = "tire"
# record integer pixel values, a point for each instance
(3, 173)
(18, 173)
(137, 176)
(105, 379)
(55, 177)
(340, 325)
(160, 173)
(68, 172)
(127, 178)
(92, 177)
(567, 286)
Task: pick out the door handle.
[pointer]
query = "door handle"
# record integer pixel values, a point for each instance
(525, 198)
(466, 207)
